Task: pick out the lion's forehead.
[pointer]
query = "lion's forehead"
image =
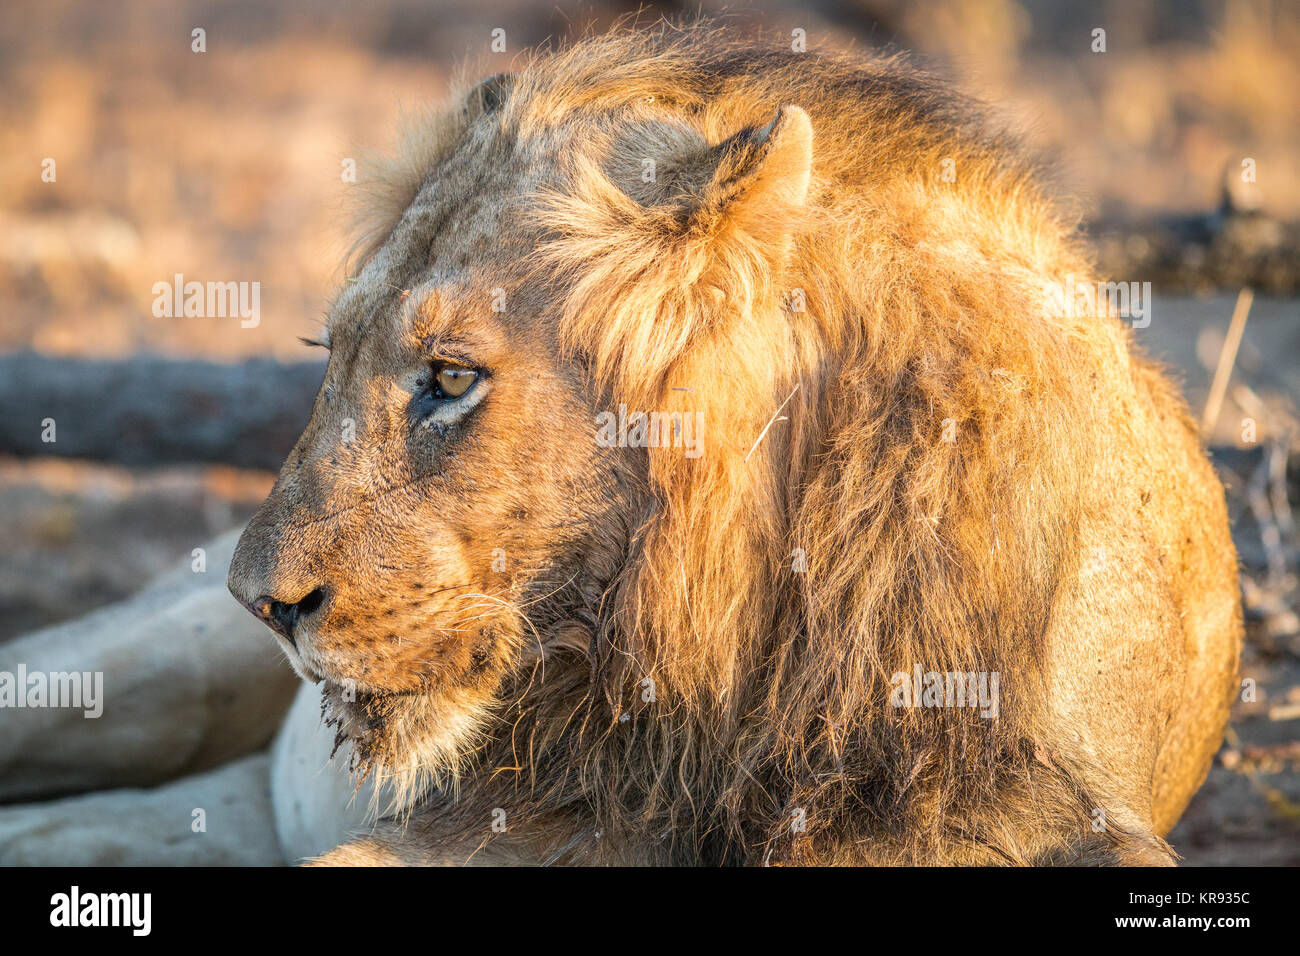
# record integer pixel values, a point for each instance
(433, 258)
(469, 227)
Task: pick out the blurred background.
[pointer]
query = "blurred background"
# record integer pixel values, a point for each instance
(129, 156)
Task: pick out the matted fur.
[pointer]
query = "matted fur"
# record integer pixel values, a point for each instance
(802, 272)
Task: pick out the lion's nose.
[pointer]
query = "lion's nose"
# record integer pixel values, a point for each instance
(282, 616)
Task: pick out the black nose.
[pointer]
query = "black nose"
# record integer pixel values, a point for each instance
(283, 617)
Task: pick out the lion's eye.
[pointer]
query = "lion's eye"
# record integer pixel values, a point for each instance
(454, 380)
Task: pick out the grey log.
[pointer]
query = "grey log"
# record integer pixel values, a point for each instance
(152, 410)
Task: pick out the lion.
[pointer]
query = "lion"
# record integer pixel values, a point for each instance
(709, 469)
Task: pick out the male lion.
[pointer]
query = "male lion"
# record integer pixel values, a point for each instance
(915, 564)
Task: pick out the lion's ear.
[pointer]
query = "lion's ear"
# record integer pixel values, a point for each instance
(654, 267)
(759, 178)
(488, 95)
(753, 182)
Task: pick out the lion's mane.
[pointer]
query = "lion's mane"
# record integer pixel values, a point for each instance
(737, 674)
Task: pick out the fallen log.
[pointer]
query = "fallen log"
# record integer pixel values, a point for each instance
(148, 410)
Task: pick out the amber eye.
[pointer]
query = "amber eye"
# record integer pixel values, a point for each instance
(455, 380)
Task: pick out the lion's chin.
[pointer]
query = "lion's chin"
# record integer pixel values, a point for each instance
(408, 743)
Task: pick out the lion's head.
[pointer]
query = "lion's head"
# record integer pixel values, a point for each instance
(470, 486)
(629, 477)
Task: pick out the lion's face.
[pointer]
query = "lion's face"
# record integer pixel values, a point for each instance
(456, 503)
(447, 508)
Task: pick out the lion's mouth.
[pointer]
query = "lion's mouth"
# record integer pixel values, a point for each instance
(372, 701)
(352, 690)
(348, 688)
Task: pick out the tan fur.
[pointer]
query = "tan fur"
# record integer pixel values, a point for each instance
(800, 271)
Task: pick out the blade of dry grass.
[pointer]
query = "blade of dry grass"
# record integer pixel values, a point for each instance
(1227, 359)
